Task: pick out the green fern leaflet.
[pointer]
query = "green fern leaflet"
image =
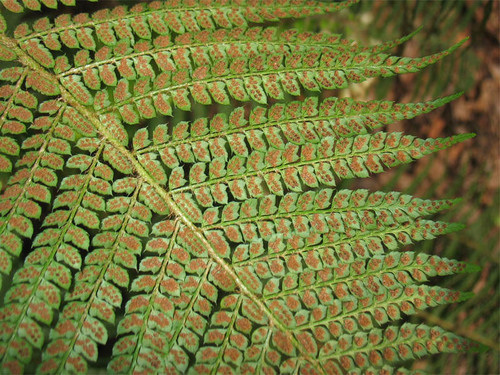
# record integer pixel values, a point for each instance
(215, 243)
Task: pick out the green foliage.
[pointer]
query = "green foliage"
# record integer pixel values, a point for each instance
(220, 243)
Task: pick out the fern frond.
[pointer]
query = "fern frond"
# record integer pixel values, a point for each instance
(142, 19)
(218, 245)
(207, 68)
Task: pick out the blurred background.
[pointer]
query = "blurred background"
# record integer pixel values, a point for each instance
(469, 170)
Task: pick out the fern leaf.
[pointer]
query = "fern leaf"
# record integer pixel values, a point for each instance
(204, 66)
(219, 244)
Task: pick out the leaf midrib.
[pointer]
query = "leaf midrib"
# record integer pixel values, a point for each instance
(129, 15)
(324, 245)
(33, 168)
(296, 164)
(154, 293)
(55, 247)
(172, 48)
(265, 125)
(100, 279)
(298, 212)
(259, 74)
